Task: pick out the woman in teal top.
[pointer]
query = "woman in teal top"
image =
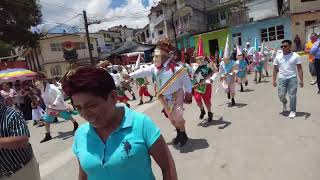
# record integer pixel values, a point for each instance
(117, 142)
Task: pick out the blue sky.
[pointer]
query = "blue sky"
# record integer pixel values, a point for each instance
(61, 11)
(118, 3)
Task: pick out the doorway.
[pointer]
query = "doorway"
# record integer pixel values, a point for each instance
(213, 46)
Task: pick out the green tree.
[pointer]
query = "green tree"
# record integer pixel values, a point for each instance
(5, 49)
(17, 18)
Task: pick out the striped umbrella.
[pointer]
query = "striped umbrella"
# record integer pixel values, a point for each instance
(10, 75)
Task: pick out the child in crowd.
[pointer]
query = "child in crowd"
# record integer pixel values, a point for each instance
(37, 111)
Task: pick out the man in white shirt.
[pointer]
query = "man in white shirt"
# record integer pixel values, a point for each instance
(287, 64)
(56, 107)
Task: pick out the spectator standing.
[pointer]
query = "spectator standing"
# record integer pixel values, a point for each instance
(297, 41)
(315, 51)
(313, 39)
(17, 161)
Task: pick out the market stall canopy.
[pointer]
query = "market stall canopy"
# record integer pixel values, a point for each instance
(14, 74)
(130, 47)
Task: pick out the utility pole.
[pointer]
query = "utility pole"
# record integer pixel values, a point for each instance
(86, 25)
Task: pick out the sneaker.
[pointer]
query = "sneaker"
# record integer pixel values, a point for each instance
(292, 114)
(284, 108)
(313, 82)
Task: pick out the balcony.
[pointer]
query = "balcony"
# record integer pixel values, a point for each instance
(158, 20)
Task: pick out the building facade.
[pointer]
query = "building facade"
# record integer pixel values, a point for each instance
(49, 55)
(144, 36)
(305, 18)
(271, 31)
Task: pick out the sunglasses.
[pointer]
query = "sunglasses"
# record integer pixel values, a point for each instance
(283, 46)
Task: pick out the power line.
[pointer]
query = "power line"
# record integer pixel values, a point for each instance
(64, 23)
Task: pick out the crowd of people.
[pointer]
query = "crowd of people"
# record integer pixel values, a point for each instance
(117, 138)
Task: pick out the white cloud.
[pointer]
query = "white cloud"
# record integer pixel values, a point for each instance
(132, 13)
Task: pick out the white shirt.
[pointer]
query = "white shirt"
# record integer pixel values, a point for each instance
(116, 78)
(53, 98)
(287, 65)
(183, 82)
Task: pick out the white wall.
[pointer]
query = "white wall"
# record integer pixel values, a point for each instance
(262, 9)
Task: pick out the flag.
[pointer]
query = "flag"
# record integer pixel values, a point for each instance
(256, 48)
(262, 48)
(200, 47)
(182, 54)
(226, 49)
(137, 66)
(239, 52)
(220, 53)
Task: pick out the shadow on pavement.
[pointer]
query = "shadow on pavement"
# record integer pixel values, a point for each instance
(248, 90)
(220, 121)
(239, 105)
(64, 135)
(264, 81)
(306, 115)
(192, 145)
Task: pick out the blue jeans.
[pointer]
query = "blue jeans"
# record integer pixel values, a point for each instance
(289, 86)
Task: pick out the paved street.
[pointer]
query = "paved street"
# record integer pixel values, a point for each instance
(251, 141)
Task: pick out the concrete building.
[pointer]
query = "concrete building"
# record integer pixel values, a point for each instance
(272, 31)
(223, 14)
(126, 34)
(190, 18)
(112, 40)
(305, 18)
(49, 55)
(144, 36)
(262, 9)
(160, 25)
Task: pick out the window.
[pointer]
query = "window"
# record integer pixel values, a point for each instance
(56, 71)
(148, 33)
(272, 33)
(309, 23)
(104, 35)
(56, 47)
(223, 15)
(237, 38)
(160, 32)
(214, 18)
(280, 32)
(97, 43)
(159, 13)
(80, 45)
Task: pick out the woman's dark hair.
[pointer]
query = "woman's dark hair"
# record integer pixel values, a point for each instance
(91, 80)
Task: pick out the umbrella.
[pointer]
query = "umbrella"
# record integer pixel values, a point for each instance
(14, 74)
